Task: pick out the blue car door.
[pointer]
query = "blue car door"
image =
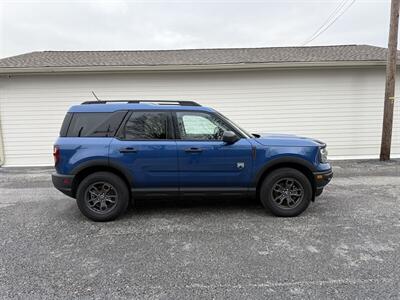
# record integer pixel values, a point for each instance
(205, 161)
(146, 148)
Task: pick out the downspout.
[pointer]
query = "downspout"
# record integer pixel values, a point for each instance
(2, 156)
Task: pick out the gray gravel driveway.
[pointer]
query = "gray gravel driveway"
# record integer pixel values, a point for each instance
(346, 245)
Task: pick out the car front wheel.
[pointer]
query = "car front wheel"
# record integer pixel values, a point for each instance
(102, 196)
(286, 192)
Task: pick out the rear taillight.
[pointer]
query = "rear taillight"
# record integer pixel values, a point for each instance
(56, 154)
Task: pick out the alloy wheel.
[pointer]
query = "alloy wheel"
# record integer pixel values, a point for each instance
(101, 197)
(287, 193)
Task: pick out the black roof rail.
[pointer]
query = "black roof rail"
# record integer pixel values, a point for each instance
(160, 102)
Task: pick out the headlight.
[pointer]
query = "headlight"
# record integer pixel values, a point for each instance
(323, 155)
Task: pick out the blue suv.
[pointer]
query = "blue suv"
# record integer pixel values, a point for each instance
(110, 153)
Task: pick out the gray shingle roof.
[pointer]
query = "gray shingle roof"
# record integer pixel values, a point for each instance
(343, 53)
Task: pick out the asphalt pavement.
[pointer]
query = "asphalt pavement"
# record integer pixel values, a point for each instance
(345, 246)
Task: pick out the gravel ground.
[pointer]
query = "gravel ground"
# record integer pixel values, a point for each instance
(346, 245)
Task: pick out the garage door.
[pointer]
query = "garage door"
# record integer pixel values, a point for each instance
(340, 106)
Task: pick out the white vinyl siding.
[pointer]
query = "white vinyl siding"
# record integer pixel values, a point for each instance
(342, 107)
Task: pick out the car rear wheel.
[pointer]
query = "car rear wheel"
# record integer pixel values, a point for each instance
(102, 196)
(286, 192)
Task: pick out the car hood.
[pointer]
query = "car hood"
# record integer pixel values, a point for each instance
(272, 139)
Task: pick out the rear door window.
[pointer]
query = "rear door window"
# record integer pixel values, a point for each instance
(95, 124)
(147, 125)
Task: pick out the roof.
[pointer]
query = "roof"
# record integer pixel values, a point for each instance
(193, 58)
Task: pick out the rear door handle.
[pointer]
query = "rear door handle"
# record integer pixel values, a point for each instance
(193, 150)
(128, 150)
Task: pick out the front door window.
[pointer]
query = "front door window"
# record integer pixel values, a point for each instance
(200, 126)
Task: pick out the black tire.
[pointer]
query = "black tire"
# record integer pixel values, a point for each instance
(279, 180)
(115, 197)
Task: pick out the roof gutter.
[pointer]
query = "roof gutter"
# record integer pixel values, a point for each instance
(217, 67)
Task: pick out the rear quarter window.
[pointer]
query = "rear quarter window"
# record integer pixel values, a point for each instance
(94, 124)
(65, 124)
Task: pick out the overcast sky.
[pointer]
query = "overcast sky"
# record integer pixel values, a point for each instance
(27, 26)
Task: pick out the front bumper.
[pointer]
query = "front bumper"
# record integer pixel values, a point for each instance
(322, 178)
(63, 183)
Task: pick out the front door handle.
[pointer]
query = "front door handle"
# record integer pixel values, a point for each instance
(128, 150)
(193, 150)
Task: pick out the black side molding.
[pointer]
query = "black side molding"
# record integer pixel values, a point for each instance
(192, 192)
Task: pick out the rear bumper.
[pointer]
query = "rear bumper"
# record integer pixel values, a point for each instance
(63, 183)
(322, 178)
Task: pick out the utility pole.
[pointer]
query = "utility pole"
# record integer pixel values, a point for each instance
(390, 82)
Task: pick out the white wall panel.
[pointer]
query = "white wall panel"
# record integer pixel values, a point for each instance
(342, 107)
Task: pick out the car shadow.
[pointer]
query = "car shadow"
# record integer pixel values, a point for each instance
(195, 206)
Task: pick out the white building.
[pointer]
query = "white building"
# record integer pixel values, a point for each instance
(333, 93)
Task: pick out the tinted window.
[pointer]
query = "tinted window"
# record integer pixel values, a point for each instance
(95, 124)
(65, 124)
(200, 126)
(147, 126)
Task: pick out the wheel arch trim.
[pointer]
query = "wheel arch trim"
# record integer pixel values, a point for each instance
(282, 161)
(106, 164)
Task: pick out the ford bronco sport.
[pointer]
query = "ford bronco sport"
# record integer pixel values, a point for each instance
(112, 152)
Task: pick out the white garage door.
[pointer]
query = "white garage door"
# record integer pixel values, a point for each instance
(342, 107)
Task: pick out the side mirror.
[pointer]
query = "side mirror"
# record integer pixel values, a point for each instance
(230, 137)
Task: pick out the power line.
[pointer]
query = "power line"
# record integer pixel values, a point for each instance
(329, 25)
(340, 9)
(332, 15)
(336, 14)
